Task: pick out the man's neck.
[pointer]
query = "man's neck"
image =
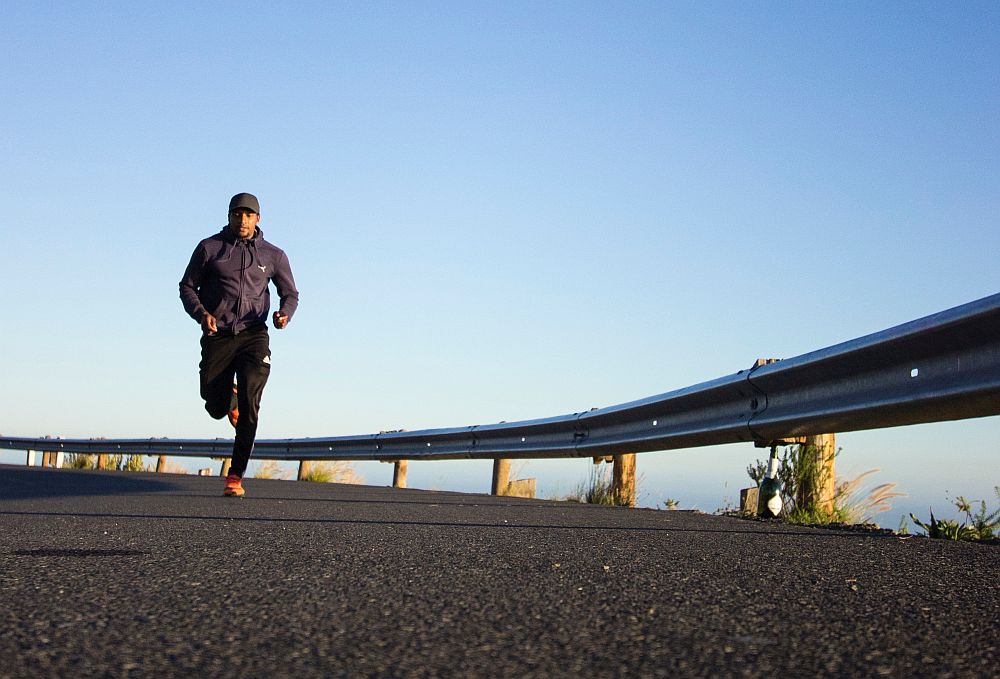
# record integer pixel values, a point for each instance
(235, 234)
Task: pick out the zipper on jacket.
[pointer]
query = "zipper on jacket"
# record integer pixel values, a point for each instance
(239, 302)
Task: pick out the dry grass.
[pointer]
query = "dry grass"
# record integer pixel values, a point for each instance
(174, 468)
(112, 462)
(269, 469)
(333, 472)
(598, 489)
(855, 504)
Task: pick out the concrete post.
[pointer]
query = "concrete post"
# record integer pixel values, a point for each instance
(501, 477)
(399, 474)
(161, 464)
(226, 464)
(30, 460)
(59, 458)
(623, 479)
(304, 467)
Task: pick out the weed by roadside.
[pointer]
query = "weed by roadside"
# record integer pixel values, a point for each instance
(79, 461)
(980, 526)
(332, 472)
(117, 462)
(174, 468)
(800, 473)
(598, 489)
(269, 469)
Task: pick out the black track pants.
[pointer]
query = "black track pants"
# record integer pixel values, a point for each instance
(248, 357)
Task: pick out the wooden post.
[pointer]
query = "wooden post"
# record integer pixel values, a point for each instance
(57, 459)
(304, 468)
(102, 461)
(623, 479)
(46, 459)
(521, 488)
(399, 474)
(226, 464)
(826, 451)
(501, 476)
(161, 464)
(30, 460)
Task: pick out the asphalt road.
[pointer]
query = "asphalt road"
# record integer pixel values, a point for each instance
(131, 575)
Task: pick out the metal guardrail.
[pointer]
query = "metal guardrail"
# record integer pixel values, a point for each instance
(942, 367)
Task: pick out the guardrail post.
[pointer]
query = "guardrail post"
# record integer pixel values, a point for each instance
(826, 451)
(59, 458)
(30, 460)
(102, 462)
(521, 488)
(227, 462)
(161, 464)
(304, 468)
(501, 476)
(623, 479)
(399, 474)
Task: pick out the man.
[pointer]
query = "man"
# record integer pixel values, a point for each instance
(224, 288)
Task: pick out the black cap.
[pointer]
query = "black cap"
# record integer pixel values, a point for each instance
(244, 200)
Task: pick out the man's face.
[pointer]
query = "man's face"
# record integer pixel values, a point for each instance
(243, 222)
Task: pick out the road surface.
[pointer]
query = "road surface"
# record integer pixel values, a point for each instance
(132, 575)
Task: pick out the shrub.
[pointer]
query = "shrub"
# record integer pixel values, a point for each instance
(116, 462)
(980, 526)
(332, 472)
(598, 489)
(79, 461)
(801, 475)
(269, 469)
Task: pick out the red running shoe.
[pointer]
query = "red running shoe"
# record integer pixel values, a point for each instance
(234, 486)
(234, 413)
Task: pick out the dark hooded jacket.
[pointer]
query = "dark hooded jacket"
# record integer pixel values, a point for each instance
(228, 277)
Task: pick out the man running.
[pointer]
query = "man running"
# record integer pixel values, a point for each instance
(224, 288)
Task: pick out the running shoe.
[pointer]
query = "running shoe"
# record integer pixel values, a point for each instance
(234, 412)
(234, 486)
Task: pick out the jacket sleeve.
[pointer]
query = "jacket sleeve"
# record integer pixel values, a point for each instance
(191, 282)
(285, 284)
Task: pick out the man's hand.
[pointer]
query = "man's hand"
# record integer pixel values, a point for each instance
(279, 319)
(208, 324)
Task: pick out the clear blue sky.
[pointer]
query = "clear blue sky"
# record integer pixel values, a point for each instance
(496, 211)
